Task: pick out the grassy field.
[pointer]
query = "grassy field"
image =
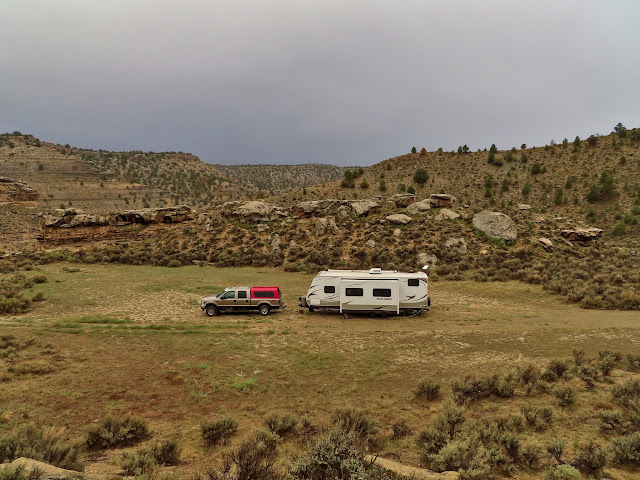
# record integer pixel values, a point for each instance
(112, 340)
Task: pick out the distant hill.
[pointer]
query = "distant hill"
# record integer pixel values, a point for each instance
(100, 180)
(273, 179)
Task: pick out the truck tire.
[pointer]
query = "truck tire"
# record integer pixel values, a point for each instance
(264, 310)
(211, 310)
(310, 308)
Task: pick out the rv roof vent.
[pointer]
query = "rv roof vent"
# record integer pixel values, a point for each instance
(375, 270)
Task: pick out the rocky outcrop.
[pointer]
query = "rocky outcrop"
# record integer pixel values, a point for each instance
(582, 236)
(254, 212)
(457, 244)
(317, 208)
(402, 200)
(441, 200)
(495, 225)
(16, 191)
(363, 208)
(419, 207)
(398, 219)
(72, 217)
(411, 472)
(324, 225)
(446, 214)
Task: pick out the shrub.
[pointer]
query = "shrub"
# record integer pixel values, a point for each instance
(431, 441)
(400, 429)
(557, 368)
(613, 421)
(619, 229)
(427, 389)
(218, 433)
(526, 189)
(626, 450)
(281, 425)
(356, 421)
(167, 452)
(627, 394)
(632, 362)
(472, 389)
(537, 418)
(450, 457)
(566, 395)
(333, 456)
(19, 473)
(563, 472)
(117, 432)
(174, 263)
(591, 458)
(138, 463)
(536, 168)
(43, 444)
(450, 421)
(555, 448)
(421, 176)
(530, 455)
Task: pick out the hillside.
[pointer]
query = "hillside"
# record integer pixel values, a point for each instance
(554, 179)
(273, 179)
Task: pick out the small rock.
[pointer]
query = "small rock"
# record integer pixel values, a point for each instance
(446, 214)
(524, 206)
(441, 200)
(398, 219)
(419, 207)
(546, 244)
(397, 232)
(371, 243)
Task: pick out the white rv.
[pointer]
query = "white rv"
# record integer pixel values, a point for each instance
(375, 290)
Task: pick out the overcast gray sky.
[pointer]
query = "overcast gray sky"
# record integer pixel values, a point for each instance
(334, 81)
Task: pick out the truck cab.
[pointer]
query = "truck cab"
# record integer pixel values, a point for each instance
(262, 299)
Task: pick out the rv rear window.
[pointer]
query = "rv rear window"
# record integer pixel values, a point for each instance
(381, 292)
(414, 282)
(353, 292)
(329, 289)
(267, 294)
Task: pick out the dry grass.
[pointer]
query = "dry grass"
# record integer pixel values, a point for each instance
(132, 340)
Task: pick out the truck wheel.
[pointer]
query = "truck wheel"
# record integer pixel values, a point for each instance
(211, 310)
(264, 310)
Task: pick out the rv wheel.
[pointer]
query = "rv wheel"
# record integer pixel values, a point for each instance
(211, 310)
(264, 310)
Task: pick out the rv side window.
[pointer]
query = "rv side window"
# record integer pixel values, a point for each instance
(414, 282)
(353, 292)
(329, 289)
(381, 292)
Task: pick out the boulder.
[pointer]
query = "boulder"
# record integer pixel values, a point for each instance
(419, 207)
(546, 244)
(446, 214)
(257, 211)
(398, 219)
(425, 258)
(495, 225)
(458, 244)
(402, 200)
(362, 208)
(524, 206)
(441, 200)
(342, 213)
(304, 209)
(275, 244)
(582, 236)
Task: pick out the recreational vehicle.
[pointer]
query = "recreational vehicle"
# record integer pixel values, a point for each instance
(373, 290)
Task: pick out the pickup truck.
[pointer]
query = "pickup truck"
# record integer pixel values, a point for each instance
(262, 299)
